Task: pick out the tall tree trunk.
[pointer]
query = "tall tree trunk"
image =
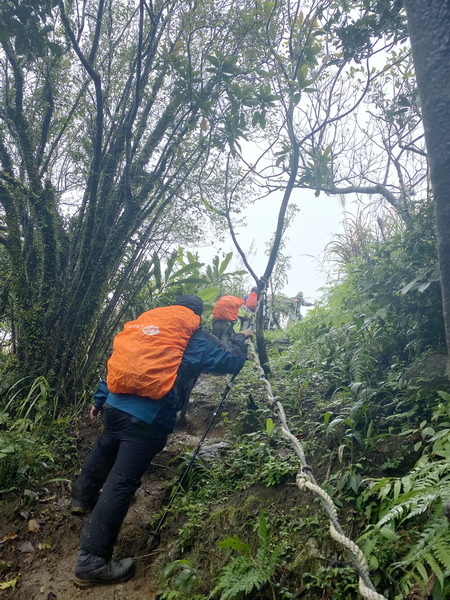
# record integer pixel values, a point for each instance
(429, 28)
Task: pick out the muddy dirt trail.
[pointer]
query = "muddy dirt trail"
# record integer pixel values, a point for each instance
(39, 536)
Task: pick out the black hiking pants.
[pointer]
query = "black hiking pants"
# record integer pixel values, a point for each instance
(111, 474)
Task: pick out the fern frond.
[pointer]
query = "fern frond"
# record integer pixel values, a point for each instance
(235, 543)
(434, 567)
(240, 576)
(401, 506)
(423, 503)
(263, 531)
(246, 572)
(268, 558)
(419, 567)
(361, 363)
(420, 493)
(441, 550)
(407, 506)
(433, 548)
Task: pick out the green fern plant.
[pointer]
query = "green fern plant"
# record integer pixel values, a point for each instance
(430, 552)
(413, 506)
(248, 572)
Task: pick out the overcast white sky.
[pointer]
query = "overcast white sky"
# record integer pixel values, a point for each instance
(318, 220)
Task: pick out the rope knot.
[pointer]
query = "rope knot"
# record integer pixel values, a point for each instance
(302, 480)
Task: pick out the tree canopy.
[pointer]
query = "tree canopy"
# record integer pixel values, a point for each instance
(112, 115)
(125, 127)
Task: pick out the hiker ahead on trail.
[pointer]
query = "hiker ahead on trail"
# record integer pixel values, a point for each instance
(298, 302)
(154, 361)
(293, 310)
(225, 317)
(247, 311)
(251, 300)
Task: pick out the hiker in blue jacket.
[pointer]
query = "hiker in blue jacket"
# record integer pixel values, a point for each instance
(135, 430)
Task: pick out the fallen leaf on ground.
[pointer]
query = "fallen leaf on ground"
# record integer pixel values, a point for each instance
(48, 498)
(9, 584)
(8, 537)
(33, 526)
(26, 547)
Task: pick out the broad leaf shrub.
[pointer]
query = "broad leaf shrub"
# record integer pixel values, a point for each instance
(368, 330)
(22, 459)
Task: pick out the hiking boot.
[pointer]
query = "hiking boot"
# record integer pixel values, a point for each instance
(95, 570)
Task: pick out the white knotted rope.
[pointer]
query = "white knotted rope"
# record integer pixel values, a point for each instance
(305, 480)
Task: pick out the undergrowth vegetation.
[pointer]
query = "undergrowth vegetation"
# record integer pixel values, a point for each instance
(36, 441)
(363, 384)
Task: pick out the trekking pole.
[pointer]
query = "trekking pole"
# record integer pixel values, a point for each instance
(155, 538)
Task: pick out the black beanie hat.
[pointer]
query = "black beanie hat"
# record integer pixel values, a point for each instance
(190, 301)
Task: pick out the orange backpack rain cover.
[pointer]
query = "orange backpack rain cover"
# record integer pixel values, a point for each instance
(147, 353)
(226, 308)
(252, 301)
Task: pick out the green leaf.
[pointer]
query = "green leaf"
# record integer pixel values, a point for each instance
(190, 267)
(212, 59)
(435, 567)
(262, 119)
(422, 571)
(186, 281)
(184, 580)
(389, 533)
(427, 432)
(327, 416)
(172, 258)
(176, 564)
(334, 424)
(373, 562)
(237, 544)
(226, 261)
(229, 67)
(270, 426)
(208, 293)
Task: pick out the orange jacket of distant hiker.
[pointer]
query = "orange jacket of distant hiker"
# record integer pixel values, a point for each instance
(226, 308)
(148, 352)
